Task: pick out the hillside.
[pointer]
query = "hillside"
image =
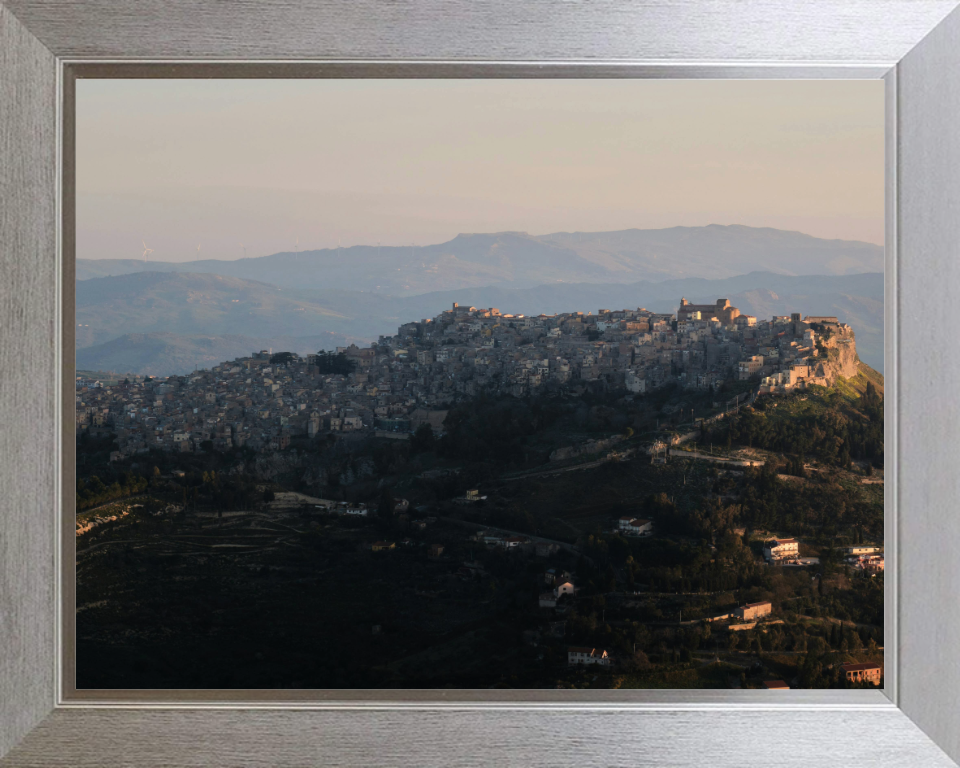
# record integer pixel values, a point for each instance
(834, 425)
(520, 260)
(324, 586)
(694, 564)
(868, 374)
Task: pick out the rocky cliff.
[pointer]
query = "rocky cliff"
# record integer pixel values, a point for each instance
(838, 344)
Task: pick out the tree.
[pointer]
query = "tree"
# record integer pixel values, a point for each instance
(856, 644)
(423, 439)
(331, 362)
(387, 503)
(282, 358)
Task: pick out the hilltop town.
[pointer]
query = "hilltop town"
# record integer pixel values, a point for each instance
(404, 381)
(625, 499)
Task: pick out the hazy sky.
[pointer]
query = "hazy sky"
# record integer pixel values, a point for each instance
(266, 163)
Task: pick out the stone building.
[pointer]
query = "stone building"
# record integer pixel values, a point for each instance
(722, 311)
(753, 611)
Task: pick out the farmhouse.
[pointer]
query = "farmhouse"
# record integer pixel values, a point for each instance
(752, 611)
(631, 526)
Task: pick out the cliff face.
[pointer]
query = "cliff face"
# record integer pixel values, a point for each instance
(841, 347)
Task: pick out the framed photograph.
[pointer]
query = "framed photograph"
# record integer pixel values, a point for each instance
(447, 385)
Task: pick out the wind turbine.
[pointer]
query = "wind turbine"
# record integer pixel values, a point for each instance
(145, 251)
(198, 249)
(244, 250)
(296, 246)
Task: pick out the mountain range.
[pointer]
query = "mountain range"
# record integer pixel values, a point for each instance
(520, 260)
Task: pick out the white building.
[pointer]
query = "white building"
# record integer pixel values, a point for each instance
(633, 382)
(863, 550)
(632, 526)
(780, 549)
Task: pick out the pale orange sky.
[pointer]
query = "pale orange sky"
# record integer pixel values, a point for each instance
(269, 162)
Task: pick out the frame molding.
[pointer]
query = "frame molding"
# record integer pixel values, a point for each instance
(43, 45)
(880, 31)
(28, 370)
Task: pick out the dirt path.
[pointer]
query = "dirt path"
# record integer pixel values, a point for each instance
(716, 459)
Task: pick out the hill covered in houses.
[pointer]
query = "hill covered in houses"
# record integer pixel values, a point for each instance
(620, 499)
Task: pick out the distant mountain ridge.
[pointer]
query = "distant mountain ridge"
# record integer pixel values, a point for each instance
(520, 260)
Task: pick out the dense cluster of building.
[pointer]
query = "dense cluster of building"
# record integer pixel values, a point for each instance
(409, 379)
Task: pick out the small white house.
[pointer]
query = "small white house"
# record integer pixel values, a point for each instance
(566, 588)
(359, 510)
(632, 526)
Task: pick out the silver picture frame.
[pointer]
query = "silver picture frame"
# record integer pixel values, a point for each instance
(913, 45)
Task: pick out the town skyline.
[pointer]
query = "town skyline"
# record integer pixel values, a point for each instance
(264, 399)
